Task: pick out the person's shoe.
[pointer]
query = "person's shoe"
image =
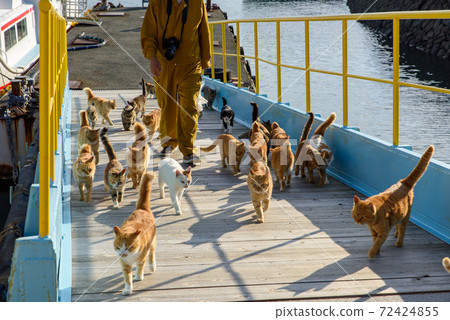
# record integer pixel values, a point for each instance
(166, 151)
(191, 159)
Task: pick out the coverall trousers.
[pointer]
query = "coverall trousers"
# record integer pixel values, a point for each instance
(177, 89)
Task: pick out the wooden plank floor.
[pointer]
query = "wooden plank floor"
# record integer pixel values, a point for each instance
(308, 247)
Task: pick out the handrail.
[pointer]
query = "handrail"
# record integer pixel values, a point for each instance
(395, 16)
(52, 78)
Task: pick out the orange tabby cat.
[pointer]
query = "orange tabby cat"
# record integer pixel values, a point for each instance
(277, 135)
(282, 162)
(258, 145)
(114, 172)
(151, 121)
(88, 135)
(231, 150)
(390, 208)
(318, 155)
(260, 184)
(103, 106)
(302, 141)
(84, 171)
(446, 264)
(138, 155)
(136, 239)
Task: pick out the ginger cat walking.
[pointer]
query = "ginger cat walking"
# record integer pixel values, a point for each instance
(138, 155)
(84, 171)
(260, 184)
(390, 208)
(136, 239)
(231, 151)
(103, 106)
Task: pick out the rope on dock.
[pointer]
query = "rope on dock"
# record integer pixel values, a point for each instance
(101, 43)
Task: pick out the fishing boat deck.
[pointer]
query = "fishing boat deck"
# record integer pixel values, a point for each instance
(308, 248)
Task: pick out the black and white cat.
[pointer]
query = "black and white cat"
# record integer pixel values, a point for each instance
(227, 117)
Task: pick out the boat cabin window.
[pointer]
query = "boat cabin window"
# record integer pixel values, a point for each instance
(22, 29)
(10, 37)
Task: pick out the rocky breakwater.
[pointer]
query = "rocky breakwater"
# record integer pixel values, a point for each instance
(429, 36)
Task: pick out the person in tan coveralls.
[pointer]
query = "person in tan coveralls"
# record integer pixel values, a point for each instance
(175, 38)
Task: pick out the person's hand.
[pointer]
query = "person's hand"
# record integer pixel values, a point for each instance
(155, 66)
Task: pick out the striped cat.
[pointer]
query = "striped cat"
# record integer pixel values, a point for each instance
(114, 172)
(128, 117)
(92, 116)
(390, 208)
(88, 135)
(315, 153)
(84, 171)
(260, 184)
(135, 240)
(138, 155)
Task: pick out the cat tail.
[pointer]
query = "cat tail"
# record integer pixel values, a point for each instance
(446, 264)
(144, 88)
(140, 132)
(89, 93)
(211, 147)
(420, 168)
(145, 191)
(324, 126)
(109, 149)
(255, 111)
(83, 118)
(224, 101)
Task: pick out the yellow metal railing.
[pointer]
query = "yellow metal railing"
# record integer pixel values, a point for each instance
(395, 17)
(52, 81)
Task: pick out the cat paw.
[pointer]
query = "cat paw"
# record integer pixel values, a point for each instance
(373, 253)
(179, 213)
(127, 292)
(116, 206)
(139, 277)
(399, 244)
(152, 267)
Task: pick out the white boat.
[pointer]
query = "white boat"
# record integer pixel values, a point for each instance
(19, 37)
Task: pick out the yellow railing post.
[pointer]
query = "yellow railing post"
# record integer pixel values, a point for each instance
(255, 27)
(53, 72)
(344, 73)
(307, 66)
(278, 61)
(44, 117)
(211, 35)
(238, 52)
(224, 56)
(395, 86)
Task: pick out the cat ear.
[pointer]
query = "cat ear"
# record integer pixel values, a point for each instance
(137, 233)
(252, 172)
(356, 199)
(371, 206)
(97, 130)
(123, 171)
(188, 170)
(117, 230)
(177, 173)
(90, 159)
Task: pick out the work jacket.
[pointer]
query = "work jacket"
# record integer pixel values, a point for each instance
(195, 42)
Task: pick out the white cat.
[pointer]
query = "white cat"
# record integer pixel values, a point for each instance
(172, 174)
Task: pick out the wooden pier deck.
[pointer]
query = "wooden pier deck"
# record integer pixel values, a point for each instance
(308, 248)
